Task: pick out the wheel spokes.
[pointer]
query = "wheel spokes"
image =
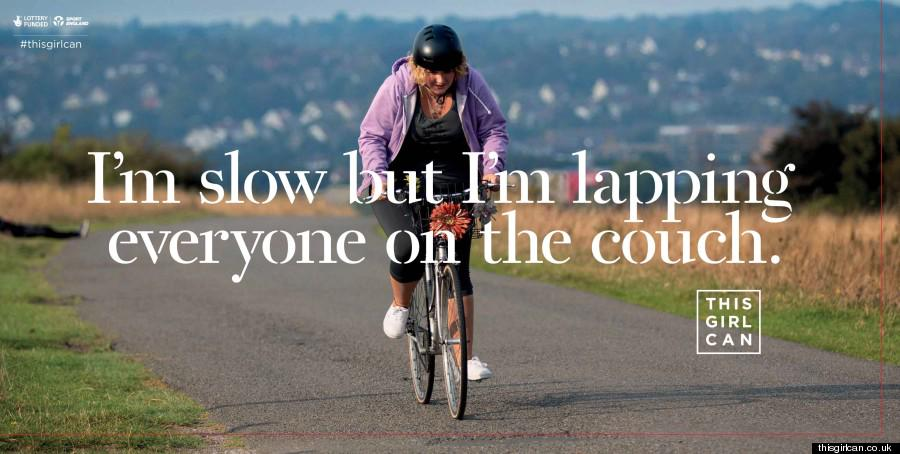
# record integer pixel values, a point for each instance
(453, 331)
(451, 344)
(421, 363)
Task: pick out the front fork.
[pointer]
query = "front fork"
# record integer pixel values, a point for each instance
(434, 316)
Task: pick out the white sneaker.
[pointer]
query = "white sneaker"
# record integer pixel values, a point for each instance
(395, 321)
(478, 370)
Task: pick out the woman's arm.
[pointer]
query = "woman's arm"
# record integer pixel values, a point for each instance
(491, 127)
(376, 129)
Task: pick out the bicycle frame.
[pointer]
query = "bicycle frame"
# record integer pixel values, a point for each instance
(433, 288)
(440, 254)
(431, 305)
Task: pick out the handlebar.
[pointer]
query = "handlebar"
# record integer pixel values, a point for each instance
(481, 186)
(496, 185)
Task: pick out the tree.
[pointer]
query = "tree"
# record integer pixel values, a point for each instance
(813, 144)
(6, 145)
(861, 171)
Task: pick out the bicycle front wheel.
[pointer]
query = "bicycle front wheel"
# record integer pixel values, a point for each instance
(452, 322)
(421, 361)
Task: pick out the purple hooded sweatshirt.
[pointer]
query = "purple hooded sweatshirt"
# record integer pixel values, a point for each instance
(389, 117)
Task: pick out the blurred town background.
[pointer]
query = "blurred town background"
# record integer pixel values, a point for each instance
(642, 92)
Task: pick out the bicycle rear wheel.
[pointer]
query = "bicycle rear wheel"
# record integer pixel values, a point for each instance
(421, 362)
(452, 323)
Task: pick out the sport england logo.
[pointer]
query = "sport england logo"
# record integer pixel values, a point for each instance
(70, 21)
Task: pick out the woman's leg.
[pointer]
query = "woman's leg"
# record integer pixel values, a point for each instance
(402, 292)
(403, 277)
(469, 307)
(464, 248)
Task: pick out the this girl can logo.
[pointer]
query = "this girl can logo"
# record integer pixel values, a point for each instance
(729, 322)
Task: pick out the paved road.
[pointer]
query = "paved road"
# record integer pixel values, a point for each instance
(299, 348)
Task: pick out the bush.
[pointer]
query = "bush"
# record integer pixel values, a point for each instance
(66, 159)
(838, 158)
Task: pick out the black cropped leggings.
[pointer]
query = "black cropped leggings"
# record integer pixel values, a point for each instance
(396, 217)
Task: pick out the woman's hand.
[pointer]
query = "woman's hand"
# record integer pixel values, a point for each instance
(492, 179)
(381, 183)
(378, 186)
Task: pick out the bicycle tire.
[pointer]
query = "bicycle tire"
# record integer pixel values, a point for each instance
(421, 364)
(455, 373)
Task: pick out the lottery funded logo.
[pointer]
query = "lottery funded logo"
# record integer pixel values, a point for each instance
(729, 322)
(46, 21)
(31, 21)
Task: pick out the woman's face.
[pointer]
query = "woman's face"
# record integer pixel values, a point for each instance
(438, 82)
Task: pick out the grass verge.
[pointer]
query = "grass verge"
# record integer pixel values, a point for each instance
(59, 376)
(852, 331)
(61, 385)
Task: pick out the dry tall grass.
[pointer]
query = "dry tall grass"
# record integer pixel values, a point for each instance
(824, 257)
(49, 202)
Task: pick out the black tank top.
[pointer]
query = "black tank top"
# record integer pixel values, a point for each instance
(441, 141)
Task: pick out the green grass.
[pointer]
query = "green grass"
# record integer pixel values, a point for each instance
(785, 315)
(59, 376)
(819, 324)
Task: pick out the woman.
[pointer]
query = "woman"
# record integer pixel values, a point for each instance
(432, 108)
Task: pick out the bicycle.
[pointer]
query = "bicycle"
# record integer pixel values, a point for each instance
(434, 327)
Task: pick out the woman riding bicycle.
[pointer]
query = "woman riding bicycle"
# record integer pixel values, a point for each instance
(432, 108)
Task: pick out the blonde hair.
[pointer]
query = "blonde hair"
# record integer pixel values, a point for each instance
(418, 72)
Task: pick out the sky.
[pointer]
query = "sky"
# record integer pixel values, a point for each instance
(204, 11)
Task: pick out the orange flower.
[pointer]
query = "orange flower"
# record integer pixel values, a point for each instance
(450, 216)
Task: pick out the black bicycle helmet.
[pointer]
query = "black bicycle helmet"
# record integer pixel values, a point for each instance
(437, 48)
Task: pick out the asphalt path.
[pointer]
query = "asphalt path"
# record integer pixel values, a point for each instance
(294, 358)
